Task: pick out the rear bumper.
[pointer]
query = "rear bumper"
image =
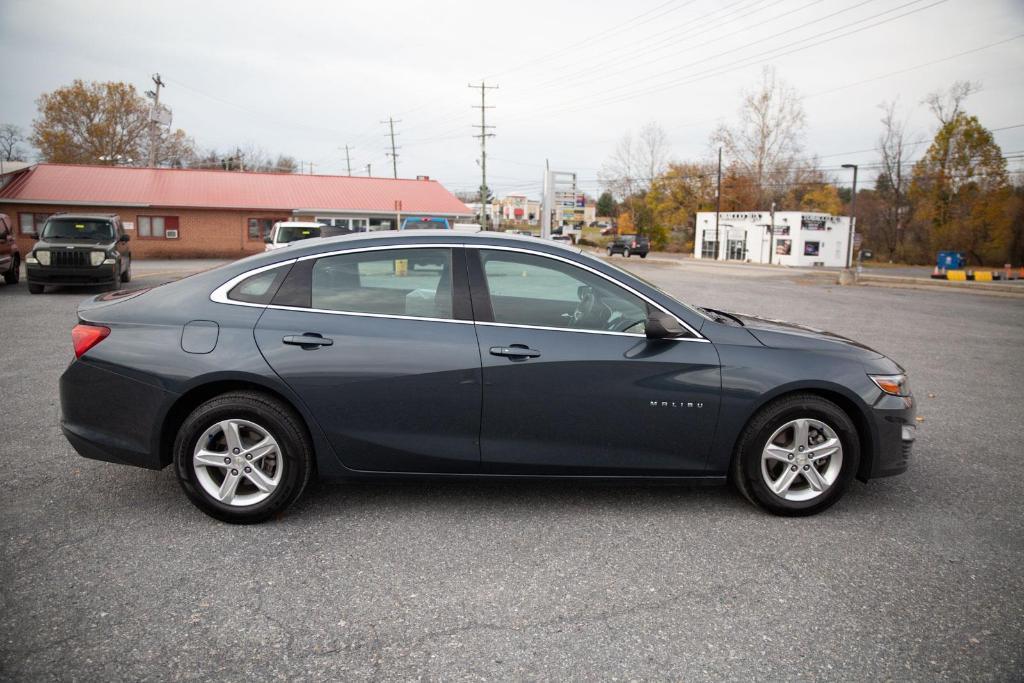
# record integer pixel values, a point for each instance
(108, 416)
(80, 275)
(896, 427)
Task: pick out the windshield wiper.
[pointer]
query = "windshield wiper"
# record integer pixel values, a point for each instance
(723, 316)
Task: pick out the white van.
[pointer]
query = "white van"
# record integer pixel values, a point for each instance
(285, 232)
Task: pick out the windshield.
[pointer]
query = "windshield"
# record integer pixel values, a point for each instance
(78, 229)
(650, 284)
(291, 233)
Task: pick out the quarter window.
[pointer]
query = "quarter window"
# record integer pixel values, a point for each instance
(259, 288)
(542, 292)
(404, 282)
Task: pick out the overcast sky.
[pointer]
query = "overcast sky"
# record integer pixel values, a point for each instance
(306, 78)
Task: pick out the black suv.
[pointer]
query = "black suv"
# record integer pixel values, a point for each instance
(627, 245)
(79, 249)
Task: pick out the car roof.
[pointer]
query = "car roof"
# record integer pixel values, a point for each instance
(86, 216)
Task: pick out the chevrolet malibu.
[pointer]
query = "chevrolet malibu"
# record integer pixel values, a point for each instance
(445, 354)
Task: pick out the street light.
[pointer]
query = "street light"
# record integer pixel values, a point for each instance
(853, 214)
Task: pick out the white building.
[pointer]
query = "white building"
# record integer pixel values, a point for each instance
(800, 239)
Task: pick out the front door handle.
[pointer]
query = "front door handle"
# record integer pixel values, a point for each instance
(309, 340)
(515, 351)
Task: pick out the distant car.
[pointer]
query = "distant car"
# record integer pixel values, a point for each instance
(525, 233)
(425, 223)
(439, 354)
(564, 239)
(628, 245)
(79, 249)
(10, 257)
(286, 232)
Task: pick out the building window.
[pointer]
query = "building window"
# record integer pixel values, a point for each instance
(260, 228)
(708, 249)
(736, 250)
(32, 223)
(812, 248)
(156, 226)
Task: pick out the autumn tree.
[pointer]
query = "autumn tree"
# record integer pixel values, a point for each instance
(767, 140)
(961, 192)
(634, 164)
(676, 196)
(102, 123)
(11, 143)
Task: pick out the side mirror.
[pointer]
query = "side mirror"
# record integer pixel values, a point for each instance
(34, 235)
(268, 239)
(124, 238)
(661, 325)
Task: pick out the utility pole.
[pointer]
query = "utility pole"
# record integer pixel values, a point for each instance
(394, 150)
(853, 214)
(718, 205)
(771, 236)
(348, 161)
(484, 192)
(154, 124)
(311, 168)
(368, 172)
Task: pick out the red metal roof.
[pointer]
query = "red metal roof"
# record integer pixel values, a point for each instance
(206, 189)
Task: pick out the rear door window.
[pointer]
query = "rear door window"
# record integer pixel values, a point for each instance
(396, 282)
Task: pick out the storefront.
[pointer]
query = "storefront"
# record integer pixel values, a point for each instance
(798, 238)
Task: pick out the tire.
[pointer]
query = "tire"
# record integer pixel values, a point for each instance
(643, 255)
(35, 289)
(126, 276)
(625, 252)
(288, 463)
(609, 250)
(824, 419)
(13, 274)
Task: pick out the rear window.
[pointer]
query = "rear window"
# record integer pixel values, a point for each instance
(78, 229)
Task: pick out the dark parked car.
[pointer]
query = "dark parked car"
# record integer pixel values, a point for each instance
(79, 249)
(10, 257)
(628, 245)
(442, 354)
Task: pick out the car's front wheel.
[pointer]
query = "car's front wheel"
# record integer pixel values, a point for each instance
(243, 457)
(797, 456)
(13, 274)
(35, 289)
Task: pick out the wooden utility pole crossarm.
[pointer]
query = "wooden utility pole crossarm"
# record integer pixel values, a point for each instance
(483, 107)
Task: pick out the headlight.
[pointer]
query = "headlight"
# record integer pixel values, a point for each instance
(896, 385)
(96, 257)
(43, 256)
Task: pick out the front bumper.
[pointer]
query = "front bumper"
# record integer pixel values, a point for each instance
(71, 275)
(896, 427)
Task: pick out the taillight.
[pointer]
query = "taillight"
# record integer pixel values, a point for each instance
(633, 245)
(84, 337)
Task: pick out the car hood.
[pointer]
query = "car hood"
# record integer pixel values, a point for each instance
(784, 335)
(71, 244)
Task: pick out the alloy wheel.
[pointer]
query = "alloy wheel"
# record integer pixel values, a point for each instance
(802, 459)
(238, 462)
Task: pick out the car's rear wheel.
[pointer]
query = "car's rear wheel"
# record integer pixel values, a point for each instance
(797, 456)
(127, 276)
(35, 289)
(12, 276)
(243, 457)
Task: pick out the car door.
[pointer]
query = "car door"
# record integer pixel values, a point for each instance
(6, 244)
(379, 343)
(571, 383)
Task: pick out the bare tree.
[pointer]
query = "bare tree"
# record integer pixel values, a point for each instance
(891, 186)
(945, 104)
(634, 165)
(768, 138)
(11, 139)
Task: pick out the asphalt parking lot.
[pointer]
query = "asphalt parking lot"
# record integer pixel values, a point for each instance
(110, 574)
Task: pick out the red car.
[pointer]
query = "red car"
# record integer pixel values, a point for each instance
(10, 257)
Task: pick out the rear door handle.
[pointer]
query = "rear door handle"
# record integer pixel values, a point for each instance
(309, 340)
(515, 351)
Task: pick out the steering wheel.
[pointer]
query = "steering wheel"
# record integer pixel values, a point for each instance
(584, 308)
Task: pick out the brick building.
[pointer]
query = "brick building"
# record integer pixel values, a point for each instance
(185, 213)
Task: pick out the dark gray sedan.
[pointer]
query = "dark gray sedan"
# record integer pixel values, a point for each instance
(444, 354)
